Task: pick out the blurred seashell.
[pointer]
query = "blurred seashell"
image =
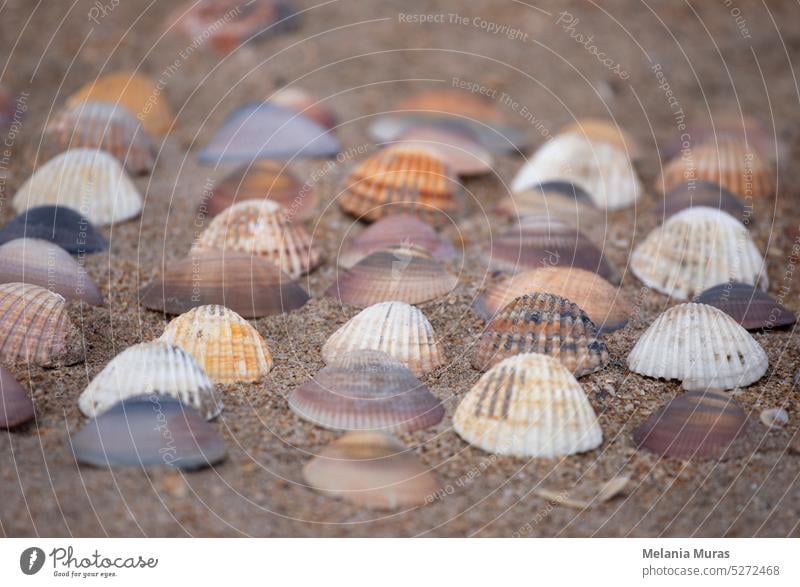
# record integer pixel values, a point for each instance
(306, 104)
(696, 249)
(16, 407)
(453, 103)
(559, 201)
(730, 125)
(585, 495)
(458, 148)
(60, 225)
(700, 193)
(151, 368)
(89, 181)
(748, 305)
(395, 328)
(774, 417)
(528, 406)
(702, 347)
(604, 131)
(371, 469)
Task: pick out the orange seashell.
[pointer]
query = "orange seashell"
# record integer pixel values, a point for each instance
(604, 131)
(457, 147)
(307, 104)
(451, 102)
(730, 125)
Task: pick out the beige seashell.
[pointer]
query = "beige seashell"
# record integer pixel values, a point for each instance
(604, 131)
(557, 201)
(585, 496)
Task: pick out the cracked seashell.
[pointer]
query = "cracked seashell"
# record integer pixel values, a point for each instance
(42, 263)
(89, 181)
(607, 307)
(148, 431)
(604, 131)
(701, 346)
(558, 201)
(701, 193)
(250, 286)
(260, 227)
(16, 408)
(395, 328)
(306, 104)
(62, 226)
(403, 273)
(147, 368)
(546, 324)
(697, 424)
(371, 469)
(528, 406)
(367, 390)
(225, 345)
(458, 147)
(696, 249)
(748, 305)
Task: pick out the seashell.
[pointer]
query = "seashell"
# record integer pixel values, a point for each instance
(16, 408)
(367, 390)
(106, 127)
(148, 431)
(134, 91)
(697, 424)
(260, 227)
(733, 125)
(747, 305)
(585, 495)
(696, 249)
(250, 286)
(89, 181)
(701, 193)
(452, 103)
(307, 104)
(774, 417)
(607, 307)
(602, 170)
(397, 229)
(35, 328)
(559, 201)
(401, 178)
(402, 273)
(528, 406)
(147, 368)
(263, 130)
(395, 328)
(57, 224)
(371, 469)
(546, 324)
(701, 346)
(459, 148)
(225, 345)
(598, 130)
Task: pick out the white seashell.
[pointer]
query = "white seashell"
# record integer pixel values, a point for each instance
(529, 405)
(697, 249)
(701, 346)
(774, 417)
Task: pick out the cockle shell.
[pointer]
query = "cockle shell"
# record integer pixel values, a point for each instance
(225, 345)
(458, 148)
(89, 181)
(732, 124)
(546, 324)
(57, 224)
(307, 104)
(701, 193)
(367, 390)
(528, 406)
(696, 249)
(395, 328)
(748, 305)
(604, 131)
(16, 407)
(146, 368)
(451, 102)
(702, 347)
(558, 201)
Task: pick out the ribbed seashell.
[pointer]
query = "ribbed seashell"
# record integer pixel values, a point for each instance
(697, 424)
(250, 286)
(458, 148)
(35, 328)
(134, 91)
(528, 406)
(559, 201)
(395, 328)
(696, 249)
(727, 162)
(701, 193)
(702, 347)
(602, 170)
(401, 178)
(748, 305)
(604, 131)
(16, 407)
(453, 103)
(546, 324)
(403, 273)
(367, 390)
(148, 431)
(607, 306)
(306, 104)
(89, 181)
(42, 263)
(104, 126)
(731, 124)
(62, 226)
(371, 469)
(260, 227)
(225, 345)
(397, 229)
(147, 368)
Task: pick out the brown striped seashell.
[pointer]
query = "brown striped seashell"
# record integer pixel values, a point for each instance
(701, 194)
(307, 104)
(250, 286)
(529, 405)
(222, 342)
(261, 227)
(697, 424)
(730, 125)
(16, 408)
(458, 148)
(559, 201)
(395, 328)
(367, 390)
(546, 324)
(39, 262)
(35, 328)
(371, 469)
(403, 273)
(747, 305)
(604, 131)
